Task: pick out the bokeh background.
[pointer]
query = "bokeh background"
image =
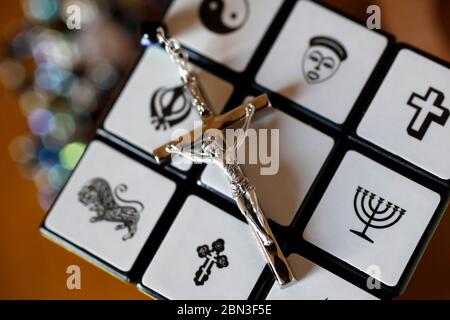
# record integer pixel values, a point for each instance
(53, 85)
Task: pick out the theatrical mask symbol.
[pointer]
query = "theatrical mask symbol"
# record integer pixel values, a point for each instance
(224, 16)
(322, 59)
(212, 257)
(169, 106)
(98, 196)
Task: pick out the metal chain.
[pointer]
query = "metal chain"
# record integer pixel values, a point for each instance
(176, 52)
(181, 58)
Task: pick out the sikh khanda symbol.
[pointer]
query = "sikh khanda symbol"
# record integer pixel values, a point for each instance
(375, 212)
(169, 106)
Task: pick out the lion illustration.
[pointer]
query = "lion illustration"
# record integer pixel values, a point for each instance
(98, 196)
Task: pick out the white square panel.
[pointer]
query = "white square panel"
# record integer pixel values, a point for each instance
(153, 106)
(301, 153)
(412, 107)
(321, 60)
(102, 205)
(316, 283)
(207, 254)
(226, 31)
(371, 217)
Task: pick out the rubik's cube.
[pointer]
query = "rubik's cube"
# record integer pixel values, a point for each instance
(363, 176)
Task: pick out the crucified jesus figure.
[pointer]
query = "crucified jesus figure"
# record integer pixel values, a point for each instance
(214, 150)
(242, 191)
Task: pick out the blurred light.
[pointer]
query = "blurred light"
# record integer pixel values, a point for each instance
(64, 126)
(71, 154)
(41, 10)
(107, 42)
(48, 157)
(145, 40)
(20, 44)
(40, 179)
(46, 95)
(53, 47)
(104, 76)
(83, 96)
(12, 73)
(41, 121)
(57, 176)
(59, 98)
(29, 100)
(52, 78)
(22, 149)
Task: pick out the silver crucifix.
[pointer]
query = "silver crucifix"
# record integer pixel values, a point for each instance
(215, 151)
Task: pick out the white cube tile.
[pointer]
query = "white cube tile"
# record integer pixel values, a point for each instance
(371, 217)
(316, 283)
(100, 187)
(153, 82)
(412, 107)
(172, 272)
(226, 31)
(321, 60)
(302, 152)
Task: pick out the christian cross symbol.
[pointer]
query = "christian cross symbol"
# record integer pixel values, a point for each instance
(212, 257)
(429, 109)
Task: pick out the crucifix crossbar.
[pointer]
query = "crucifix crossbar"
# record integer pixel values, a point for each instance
(210, 122)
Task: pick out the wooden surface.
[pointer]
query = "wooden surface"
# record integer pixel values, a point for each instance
(32, 267)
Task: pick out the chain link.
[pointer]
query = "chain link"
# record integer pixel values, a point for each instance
(176, 52)
(181, 58)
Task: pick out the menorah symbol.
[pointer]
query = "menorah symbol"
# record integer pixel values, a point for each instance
(212, 256)
(374, 212)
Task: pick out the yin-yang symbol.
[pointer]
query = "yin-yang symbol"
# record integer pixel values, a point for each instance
(224, 16)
